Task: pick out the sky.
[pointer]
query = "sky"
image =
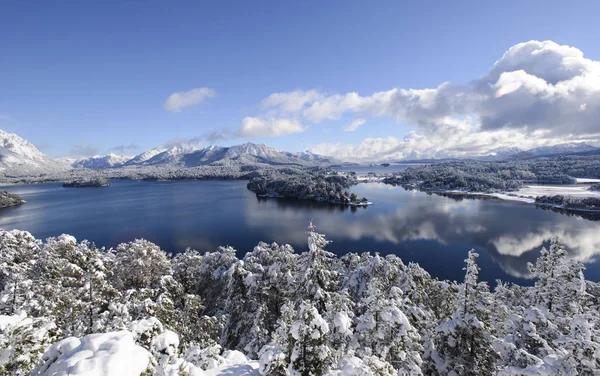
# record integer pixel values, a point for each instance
(359, 80)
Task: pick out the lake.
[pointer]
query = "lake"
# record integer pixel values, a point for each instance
(435, 231)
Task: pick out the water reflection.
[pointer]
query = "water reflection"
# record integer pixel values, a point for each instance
(433, 230)
(510, 234)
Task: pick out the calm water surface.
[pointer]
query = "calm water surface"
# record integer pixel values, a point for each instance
(432, 230)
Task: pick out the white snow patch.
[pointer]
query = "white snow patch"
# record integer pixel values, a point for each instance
(101, 354)
(587, 180)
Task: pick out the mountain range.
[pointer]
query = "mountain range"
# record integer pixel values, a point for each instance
(18, 157)
(188, 156)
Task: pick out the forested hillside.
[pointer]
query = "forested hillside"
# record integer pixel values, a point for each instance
(494, 176)
(308, 313)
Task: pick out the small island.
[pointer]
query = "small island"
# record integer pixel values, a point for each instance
(8, 199)
(310, 184)
(87, 183)
(595, 187)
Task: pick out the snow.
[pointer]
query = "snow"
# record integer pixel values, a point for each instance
(579, 190)
(587, 180)
(96, 355)
(20, 157)
(166, 342)
(342, 322)
(10, 321)
(351, 366)
(249, 369)
(528, 193)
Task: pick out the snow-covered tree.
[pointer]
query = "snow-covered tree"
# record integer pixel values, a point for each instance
(463, 344)
(271, 283)
(23, 339)
(318, 270)
(139, 264)
(309, 351)
(560, 287)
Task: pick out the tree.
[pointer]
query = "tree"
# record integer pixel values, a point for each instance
(309, 351)
(463, 344)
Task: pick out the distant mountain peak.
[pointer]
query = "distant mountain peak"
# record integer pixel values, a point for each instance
(20, 157)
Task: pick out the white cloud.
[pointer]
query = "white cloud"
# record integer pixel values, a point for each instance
(292, 101)
(537, 93)
(179, 100)
(257, 126)
(451, 138)
(354, 125)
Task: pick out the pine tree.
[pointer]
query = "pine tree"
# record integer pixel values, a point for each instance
(271, 286)
(560, 288)
(309, 351)
(463, 343)
(318, 272)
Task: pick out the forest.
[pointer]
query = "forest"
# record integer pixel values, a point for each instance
(498, 176)
(315, 184)
(295, 313)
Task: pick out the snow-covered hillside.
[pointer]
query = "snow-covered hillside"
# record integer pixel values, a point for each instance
(19, 157)
(99, 162)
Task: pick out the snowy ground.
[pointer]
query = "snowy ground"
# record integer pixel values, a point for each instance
(528, 193)
(587, 180)
(579, 190)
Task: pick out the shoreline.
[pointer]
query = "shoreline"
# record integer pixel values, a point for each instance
(506, 196)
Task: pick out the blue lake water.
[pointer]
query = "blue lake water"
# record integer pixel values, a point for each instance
(434, 231)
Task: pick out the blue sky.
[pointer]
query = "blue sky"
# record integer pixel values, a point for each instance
(97, 74)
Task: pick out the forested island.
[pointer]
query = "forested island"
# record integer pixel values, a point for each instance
(278, 312)
(317, 184)
(8, 199)
(87, 183)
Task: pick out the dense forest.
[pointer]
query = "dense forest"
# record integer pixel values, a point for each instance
(10, 199)
(308, 313)
(498, 176)
(571, 203)
(315, 184)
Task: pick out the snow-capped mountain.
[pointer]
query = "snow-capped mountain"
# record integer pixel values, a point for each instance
(543, 151)
(141, 158)
(19, 157)
(501, 153)
(309, 156)
(168, 157)
(99, 162)
(248, 153)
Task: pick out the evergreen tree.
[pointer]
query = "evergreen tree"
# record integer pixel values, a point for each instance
(463, 345)
(309, 351)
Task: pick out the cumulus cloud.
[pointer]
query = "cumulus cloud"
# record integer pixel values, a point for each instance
(538, 93)
(83, 149)
(453, 138)
(257, 126)
(291, 101)
(194, 97)
(354, 125)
